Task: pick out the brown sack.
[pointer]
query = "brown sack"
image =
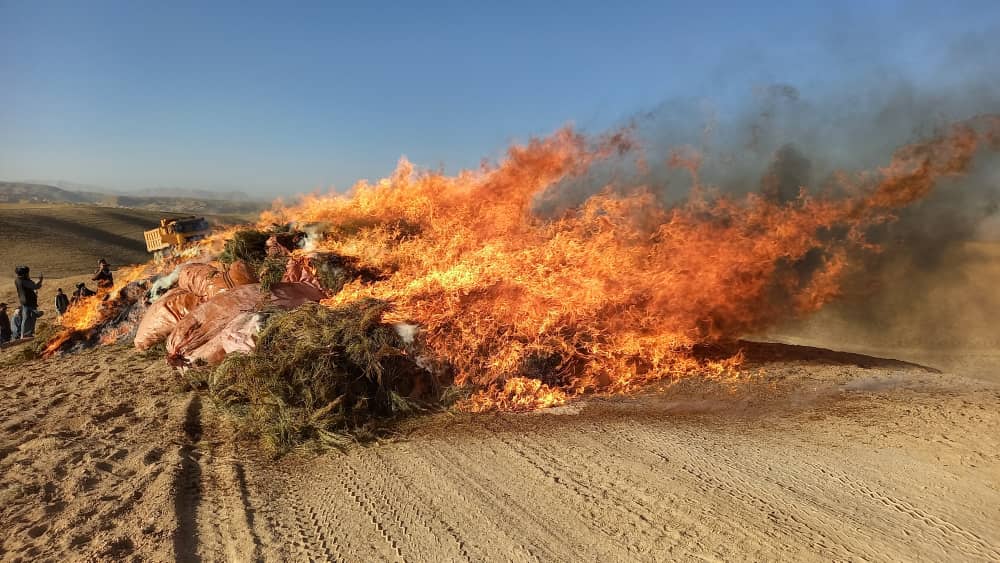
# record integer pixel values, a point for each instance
(240, 274)
(206, 281)
(226, 280)
(291, 295)
(161, 317)
(300, 270)
(196, 278)
(208, 320)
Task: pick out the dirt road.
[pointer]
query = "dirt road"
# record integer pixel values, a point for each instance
(819, 458)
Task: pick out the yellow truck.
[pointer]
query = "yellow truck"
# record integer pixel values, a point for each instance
(174, 234)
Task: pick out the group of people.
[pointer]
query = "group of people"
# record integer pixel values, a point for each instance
(23, 323)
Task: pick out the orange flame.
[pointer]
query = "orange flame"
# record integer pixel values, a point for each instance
(91, 312)
(517, 394)
(616, 291)
(613, 293)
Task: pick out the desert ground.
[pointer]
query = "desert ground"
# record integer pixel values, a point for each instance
(822, 455)
(834, 445)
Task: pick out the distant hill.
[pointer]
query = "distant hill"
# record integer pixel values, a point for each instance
(16, 192)
(179, 201)
(144, 192)
(62, 240)
(192, 194)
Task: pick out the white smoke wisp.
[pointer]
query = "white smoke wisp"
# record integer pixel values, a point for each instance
(408, 332)
(314, 235)
(163, 284)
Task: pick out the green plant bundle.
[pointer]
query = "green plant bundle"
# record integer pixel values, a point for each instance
(249, 245)
(329, 375)
(271, 271)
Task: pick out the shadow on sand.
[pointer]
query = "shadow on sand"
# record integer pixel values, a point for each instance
(763, 353)
(187, 486)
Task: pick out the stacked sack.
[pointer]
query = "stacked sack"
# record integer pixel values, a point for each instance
(214, 311)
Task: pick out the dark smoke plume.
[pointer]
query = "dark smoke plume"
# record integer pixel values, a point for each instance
(931, 283)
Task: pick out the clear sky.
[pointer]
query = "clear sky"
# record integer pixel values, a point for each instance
(285, 97)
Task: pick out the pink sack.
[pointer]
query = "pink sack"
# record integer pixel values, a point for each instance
(227, 322)
(237, 336)
(161, 317)
(208, 320)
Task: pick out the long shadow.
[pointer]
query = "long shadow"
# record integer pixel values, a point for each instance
(99, 243)
(248, 511)
(187, 487)
(761, 353)
(78, 231)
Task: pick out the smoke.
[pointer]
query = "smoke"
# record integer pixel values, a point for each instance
(406, 331)
(162, 284)
(929, 282)
(314, 233)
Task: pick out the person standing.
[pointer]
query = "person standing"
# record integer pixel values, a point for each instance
(27, 294)
(16, 324)
(62, 302)
(5, 333)
(103, 276)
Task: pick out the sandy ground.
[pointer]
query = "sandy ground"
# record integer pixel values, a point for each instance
(105, 456)
(88, 446)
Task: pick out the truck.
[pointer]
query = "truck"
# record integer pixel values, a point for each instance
(174, 234)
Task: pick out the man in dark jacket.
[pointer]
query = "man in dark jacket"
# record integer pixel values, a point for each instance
(62, 302)
(27, 294)
(5, 334)
(103, 276)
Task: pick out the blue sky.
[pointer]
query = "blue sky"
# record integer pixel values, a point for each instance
(284, 97)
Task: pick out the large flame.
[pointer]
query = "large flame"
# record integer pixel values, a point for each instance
(614, 292)
(516, 394)
(610, 294)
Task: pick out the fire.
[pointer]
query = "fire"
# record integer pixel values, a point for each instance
(611, 293)
(85, 317)
(615, 292)
(91, 312)
(517, 394)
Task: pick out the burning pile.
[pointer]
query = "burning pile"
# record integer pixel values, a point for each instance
(526, 309)
(612, 293)
(108, 317)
